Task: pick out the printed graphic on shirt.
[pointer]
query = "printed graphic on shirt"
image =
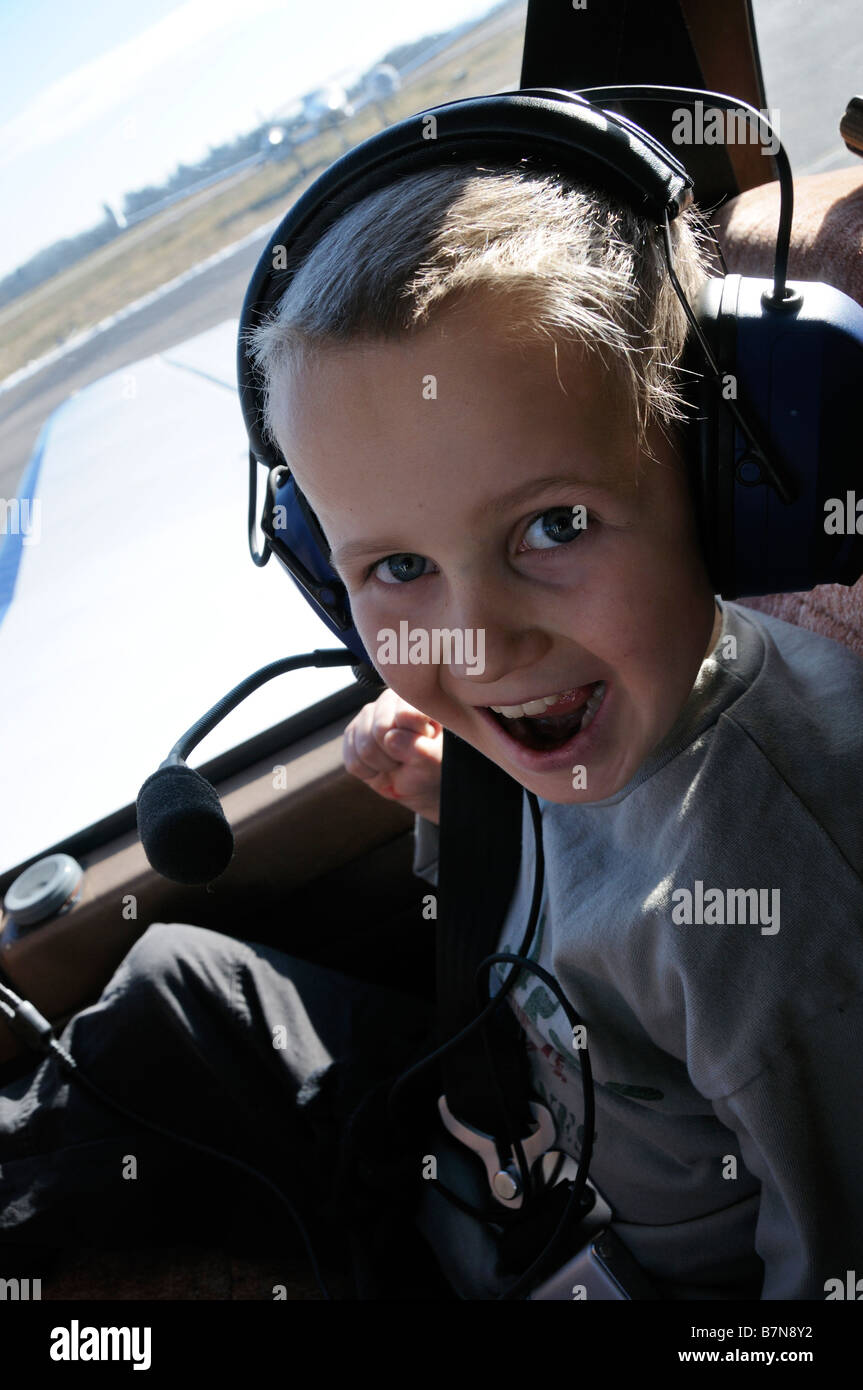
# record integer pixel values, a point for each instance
(555, 1070)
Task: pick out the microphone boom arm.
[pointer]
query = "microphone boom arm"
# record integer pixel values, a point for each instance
(329, 656)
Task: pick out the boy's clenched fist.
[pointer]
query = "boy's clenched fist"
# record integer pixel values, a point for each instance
(397, 750)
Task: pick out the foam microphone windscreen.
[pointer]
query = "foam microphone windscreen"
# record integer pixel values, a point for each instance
(182, 826)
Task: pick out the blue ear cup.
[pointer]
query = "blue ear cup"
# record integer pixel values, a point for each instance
(799, 371)
(301, 547)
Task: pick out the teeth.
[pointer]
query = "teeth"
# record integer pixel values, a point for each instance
(534, 707)
(593, 705)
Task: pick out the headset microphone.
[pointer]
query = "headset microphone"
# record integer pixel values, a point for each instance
(182, 826)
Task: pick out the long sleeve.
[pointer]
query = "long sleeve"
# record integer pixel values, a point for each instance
(426, 849)
(799, 1123)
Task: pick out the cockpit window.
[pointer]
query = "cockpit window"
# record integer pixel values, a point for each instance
(147, 153)
(812, 64)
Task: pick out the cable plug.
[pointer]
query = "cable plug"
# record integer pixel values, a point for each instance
(25, 1020)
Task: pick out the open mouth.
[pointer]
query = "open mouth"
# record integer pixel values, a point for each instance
(542, 732)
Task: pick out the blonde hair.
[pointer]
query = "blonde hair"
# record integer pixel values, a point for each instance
(573, 265)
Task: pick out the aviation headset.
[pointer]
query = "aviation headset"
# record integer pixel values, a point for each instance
(776, 367)
(776, 406)
(766, 457)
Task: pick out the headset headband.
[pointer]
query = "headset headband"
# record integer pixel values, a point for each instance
(767, 459)
(556, 128)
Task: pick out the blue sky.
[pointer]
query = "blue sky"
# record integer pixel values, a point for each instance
(100, 98)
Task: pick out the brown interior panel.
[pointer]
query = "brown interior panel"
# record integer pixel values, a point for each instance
(319, 859)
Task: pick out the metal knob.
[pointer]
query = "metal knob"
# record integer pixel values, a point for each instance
(50, 886)
(506, 1184)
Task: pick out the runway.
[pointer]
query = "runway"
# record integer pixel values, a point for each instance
(198, 304)
(798, 78)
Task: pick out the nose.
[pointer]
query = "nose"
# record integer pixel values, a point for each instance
(499, 637)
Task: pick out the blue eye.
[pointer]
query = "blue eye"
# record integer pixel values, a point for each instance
(400, 569)
(557, 526)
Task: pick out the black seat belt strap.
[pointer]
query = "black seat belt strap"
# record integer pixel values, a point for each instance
(480, 853)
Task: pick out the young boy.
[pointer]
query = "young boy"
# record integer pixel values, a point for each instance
(473, 380)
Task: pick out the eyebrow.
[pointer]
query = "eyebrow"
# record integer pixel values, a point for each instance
(504, 502)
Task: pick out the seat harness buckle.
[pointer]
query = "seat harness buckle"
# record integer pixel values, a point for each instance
(504, 1182)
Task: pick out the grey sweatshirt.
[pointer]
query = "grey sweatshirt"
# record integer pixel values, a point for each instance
(724, 1027)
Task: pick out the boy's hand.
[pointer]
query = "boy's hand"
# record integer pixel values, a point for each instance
(397, 750)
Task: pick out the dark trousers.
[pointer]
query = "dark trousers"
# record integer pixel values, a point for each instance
(281, 1063)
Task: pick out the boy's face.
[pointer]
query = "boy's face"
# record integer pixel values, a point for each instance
(444, 469)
